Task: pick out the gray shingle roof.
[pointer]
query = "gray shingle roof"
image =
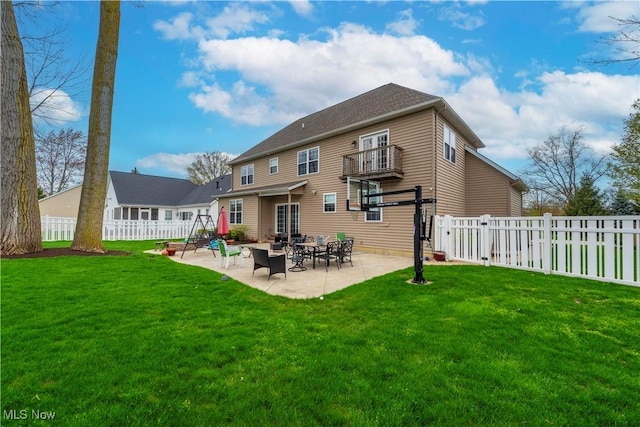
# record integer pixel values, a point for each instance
(150, 190)
(375, 103)
(207, 192)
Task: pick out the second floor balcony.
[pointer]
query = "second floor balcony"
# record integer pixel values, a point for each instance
(380, 164)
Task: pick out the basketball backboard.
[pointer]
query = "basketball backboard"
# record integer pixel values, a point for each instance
(357, 189)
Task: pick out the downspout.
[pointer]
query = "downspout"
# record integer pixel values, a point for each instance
(435, 150)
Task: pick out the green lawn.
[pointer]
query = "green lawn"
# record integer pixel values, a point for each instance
(143, 340)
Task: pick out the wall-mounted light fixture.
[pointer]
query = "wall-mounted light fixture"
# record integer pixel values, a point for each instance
(354, 143)
(314, 191)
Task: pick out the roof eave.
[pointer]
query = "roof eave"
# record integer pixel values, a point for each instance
(515, 180)
(447, 111)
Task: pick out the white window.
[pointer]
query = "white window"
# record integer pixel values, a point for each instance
(308, 161)
(235, 211)
(374, 214)
(168, 215)
(185, 216)
(282, 219)
(246, 175)
(117, 213)
(374, 154)
(329, 202)
(273, 166)
(449, 144)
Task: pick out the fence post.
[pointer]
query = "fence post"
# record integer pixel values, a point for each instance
(485, 240)
(546, 236)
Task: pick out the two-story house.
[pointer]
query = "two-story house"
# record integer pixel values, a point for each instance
(295, 181)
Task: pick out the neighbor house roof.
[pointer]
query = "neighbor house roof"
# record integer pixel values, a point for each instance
(207, 192)
(383, 103)
(150, 190)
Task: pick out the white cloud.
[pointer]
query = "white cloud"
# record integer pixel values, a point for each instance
(306, 75)
(237, 18)
(405, 25)
(511, 122)
(597, 18)
(174, 163)
(171, 162)
(190, 79)
(302, 7)
(179, 28)
(56, 107)
(460, 19)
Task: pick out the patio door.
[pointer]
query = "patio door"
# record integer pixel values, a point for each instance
(374, 154)
(282, 218)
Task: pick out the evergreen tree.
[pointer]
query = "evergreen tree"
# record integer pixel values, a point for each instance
(622, 204)
(587, 200)
(625, 165)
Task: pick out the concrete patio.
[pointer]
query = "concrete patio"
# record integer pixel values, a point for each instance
(311, 283)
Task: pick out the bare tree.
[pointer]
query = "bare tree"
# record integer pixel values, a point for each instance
(537, 203)
(559, 162)
(54, 78)
(20, 227)
(208, 166)
(88, 235)
(626, 43)
(60, 159)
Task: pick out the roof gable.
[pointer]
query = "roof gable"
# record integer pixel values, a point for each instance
(378, 102)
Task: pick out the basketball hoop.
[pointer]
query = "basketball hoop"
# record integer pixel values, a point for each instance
(354, 215)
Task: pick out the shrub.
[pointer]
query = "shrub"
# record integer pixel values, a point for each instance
(238, 232)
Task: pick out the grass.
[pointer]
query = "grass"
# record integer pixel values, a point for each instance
(142, 340)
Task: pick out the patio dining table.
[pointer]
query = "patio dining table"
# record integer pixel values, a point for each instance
(315, 246)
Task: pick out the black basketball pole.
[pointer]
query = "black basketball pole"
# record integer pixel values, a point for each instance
(418, 227)
(417, 238)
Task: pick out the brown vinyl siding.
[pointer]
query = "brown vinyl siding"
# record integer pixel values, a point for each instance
(488, 190)
(450, 177)
(516, 202)
(412, 133)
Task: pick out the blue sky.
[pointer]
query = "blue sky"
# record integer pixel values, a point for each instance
(202, 76)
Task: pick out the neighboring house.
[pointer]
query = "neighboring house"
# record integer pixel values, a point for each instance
(63, 204)
(296, 180)
(146, 197)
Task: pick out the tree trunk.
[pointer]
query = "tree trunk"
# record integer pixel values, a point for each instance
(20, 227)
(88, 234)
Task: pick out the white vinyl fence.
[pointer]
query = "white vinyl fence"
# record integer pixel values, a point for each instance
(56, 228)
(603, 248)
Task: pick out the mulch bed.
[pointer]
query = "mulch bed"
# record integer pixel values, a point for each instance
(57, 252)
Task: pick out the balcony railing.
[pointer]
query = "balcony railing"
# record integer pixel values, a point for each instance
(382, 163)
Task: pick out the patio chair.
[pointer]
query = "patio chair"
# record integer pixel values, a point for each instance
(225, 252)
(345, 249)
(274, 263)
(280, 241)
(297, 254)
(330, 252)
(213, 246)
